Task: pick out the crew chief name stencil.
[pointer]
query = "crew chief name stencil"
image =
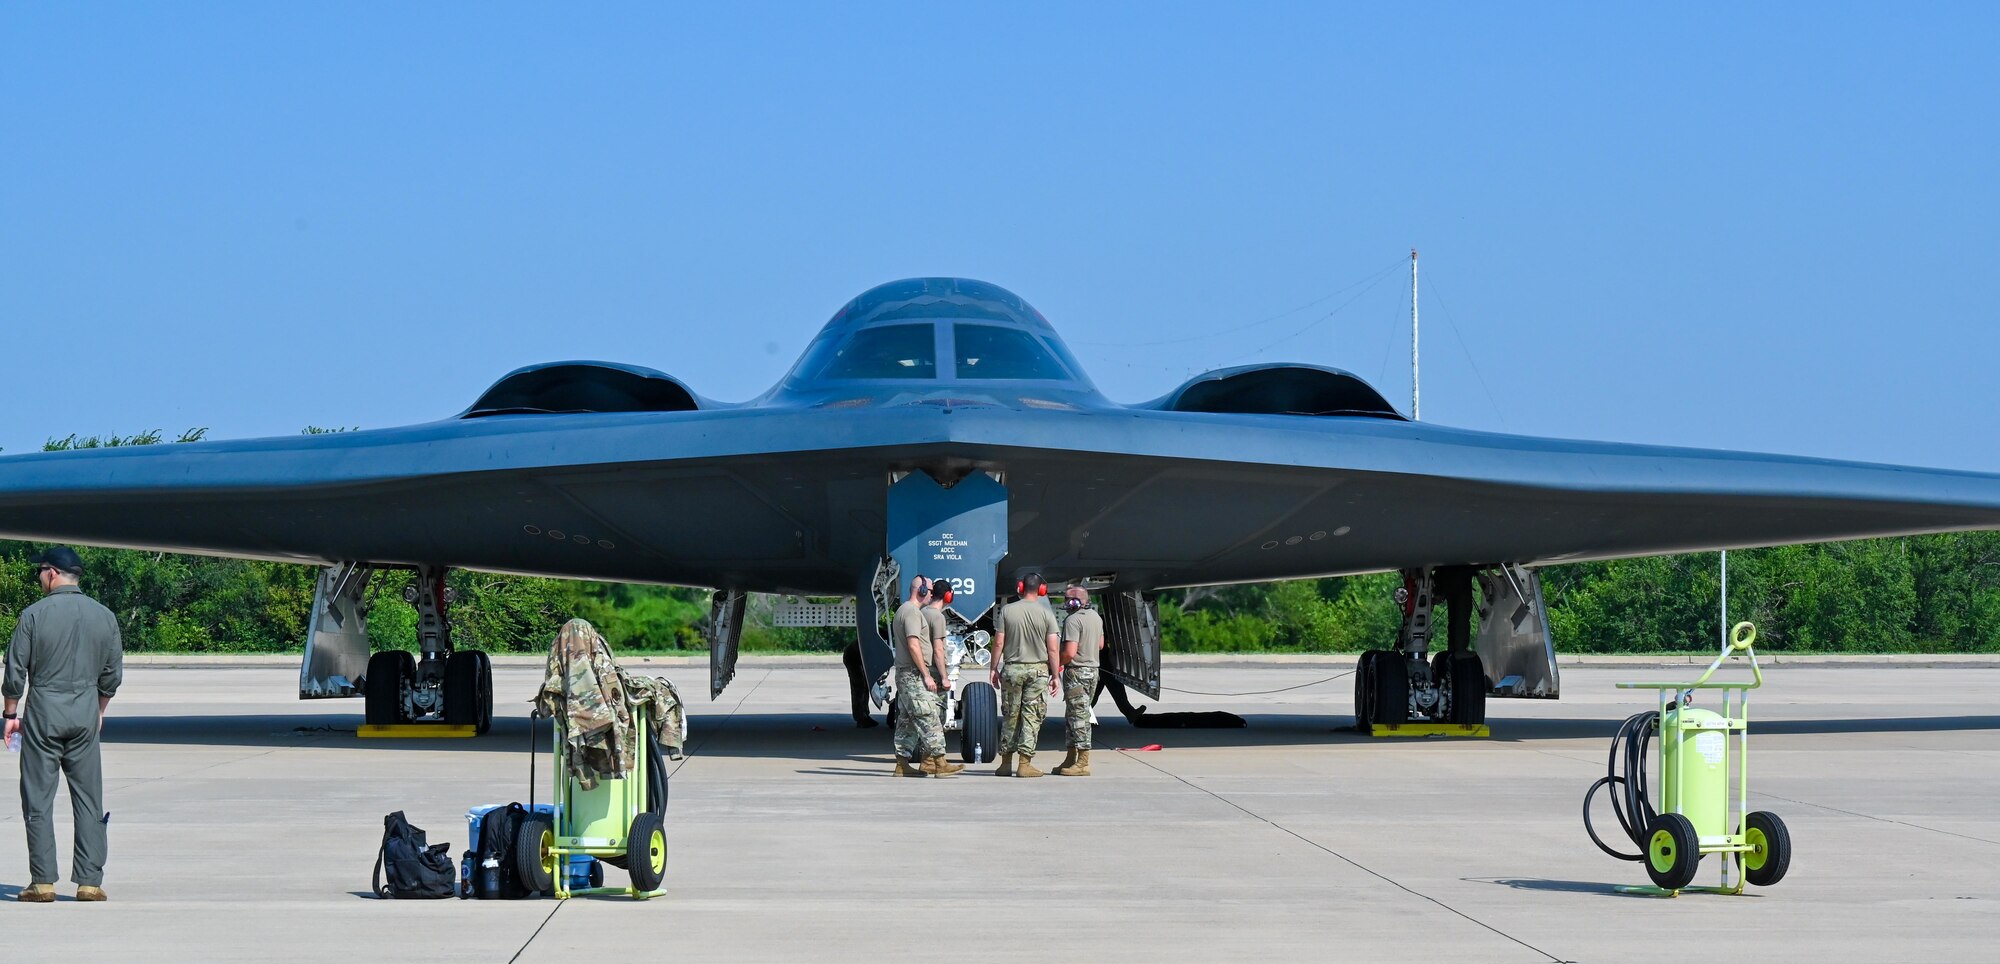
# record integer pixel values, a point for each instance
(956, 535)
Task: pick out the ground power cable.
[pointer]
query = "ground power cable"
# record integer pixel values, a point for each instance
(1391, 881)
(1282, 689)
(1629, 797)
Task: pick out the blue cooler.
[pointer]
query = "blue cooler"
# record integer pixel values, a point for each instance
(581, 866)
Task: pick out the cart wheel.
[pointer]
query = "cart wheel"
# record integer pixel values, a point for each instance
(597, 873)
(1468, 688)
(646, 852)
(979, 724)
(382, 688)
(1392, 688)
(1672, 851)
(534, 865)
(1770, 853)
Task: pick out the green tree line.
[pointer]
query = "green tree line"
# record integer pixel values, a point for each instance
(1924, 594)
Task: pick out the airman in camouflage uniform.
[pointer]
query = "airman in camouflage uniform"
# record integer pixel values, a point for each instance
(1024, 668)
(919, 726)
(1082, 637)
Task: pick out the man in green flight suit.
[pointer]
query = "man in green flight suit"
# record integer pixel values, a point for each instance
(66, 655)
(1024, 670)
(1082, 637)
(919, 728)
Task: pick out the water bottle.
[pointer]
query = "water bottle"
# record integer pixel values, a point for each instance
(489, 880)
(14, 742)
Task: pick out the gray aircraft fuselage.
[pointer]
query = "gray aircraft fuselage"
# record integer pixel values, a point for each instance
(613, 472)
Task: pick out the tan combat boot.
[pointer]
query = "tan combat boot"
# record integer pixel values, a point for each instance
(1006, 768)
(37, 894)
(1026, 768)
(1069, 760)
(939, 766)
(905, 769)
(1079, 765)
(91, 894)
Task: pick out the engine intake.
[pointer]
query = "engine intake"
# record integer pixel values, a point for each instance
(583, 386)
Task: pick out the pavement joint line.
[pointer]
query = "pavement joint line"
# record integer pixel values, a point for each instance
(1870, 816)
(538, 931)
(695, 749)
(1345, 859)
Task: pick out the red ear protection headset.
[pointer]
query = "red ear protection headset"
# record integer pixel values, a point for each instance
(947, 594)
(1021, 588)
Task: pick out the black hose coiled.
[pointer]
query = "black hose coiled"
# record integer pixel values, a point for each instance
(1631, 801)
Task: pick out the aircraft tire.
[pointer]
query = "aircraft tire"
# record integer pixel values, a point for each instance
(382, 696)
(979, 724)
(1392, 689)
(462, 704)
(1364, 688)
(485, 691)
(1468, 688)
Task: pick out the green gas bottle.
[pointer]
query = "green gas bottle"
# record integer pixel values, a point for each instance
(1694, 777)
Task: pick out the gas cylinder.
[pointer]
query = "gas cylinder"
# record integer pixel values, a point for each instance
(1694, 776)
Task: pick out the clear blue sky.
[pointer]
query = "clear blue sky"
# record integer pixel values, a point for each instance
(1767, 228)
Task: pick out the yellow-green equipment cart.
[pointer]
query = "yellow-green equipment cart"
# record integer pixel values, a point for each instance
(1698, 814)
(621, 821)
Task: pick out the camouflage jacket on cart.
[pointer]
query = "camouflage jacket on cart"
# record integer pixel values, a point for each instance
(583, 684)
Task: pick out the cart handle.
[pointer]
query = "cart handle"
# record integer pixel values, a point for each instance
(1740, 637)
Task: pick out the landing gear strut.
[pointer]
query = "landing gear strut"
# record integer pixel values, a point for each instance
(1396, 688)
(437, 685)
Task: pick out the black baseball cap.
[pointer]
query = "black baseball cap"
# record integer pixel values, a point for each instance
(59, 557)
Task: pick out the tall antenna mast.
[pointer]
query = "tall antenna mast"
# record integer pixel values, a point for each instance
(1416, 396)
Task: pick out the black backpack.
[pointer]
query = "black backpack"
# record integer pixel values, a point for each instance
(498, 831)
(415, 869)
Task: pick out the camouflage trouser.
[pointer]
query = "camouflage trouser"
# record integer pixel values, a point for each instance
(1079, 690)
(1024, 705)
(919, 728)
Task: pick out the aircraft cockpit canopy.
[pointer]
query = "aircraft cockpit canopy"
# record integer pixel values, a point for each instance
(938, 329)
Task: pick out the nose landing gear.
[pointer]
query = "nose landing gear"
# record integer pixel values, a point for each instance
(446, 692)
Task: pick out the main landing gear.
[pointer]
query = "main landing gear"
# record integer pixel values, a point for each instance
(436, 686)
(1401, 692)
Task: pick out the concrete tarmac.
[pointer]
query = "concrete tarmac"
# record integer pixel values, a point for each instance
(245, 823)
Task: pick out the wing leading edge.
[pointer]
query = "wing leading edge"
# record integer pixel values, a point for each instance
(791, 498)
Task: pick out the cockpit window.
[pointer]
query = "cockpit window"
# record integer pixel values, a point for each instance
(889, 351)
(989, 351)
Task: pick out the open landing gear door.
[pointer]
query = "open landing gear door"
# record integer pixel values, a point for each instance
(1514, 643)
(1132, 640)
(336, 633)
(725, 632)
(954, 535)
